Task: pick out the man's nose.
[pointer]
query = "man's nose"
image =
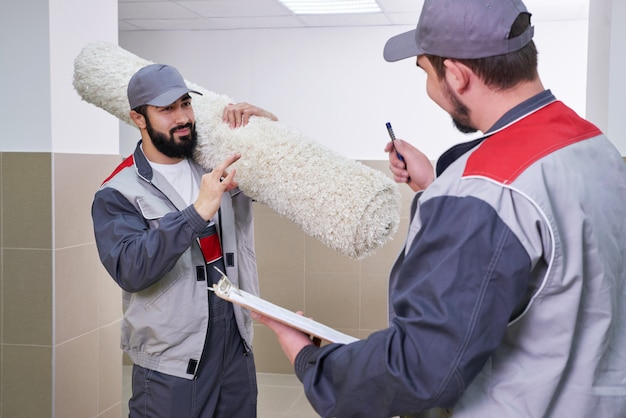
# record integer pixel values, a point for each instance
(182, 116)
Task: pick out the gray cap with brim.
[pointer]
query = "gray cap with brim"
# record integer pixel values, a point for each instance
(156, 85)
(462, 29)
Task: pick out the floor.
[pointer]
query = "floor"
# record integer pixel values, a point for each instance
(280, 396)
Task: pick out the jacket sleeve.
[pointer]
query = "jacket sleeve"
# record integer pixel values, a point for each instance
(135, 255)
(453, 293)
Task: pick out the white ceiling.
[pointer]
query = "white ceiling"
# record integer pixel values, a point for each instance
(146, 15)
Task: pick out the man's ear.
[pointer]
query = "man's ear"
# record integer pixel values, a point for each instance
(138, 119)
(458, 75)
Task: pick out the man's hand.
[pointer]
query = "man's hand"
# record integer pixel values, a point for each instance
(238, 114)
(213, 186)
(416, 170)
(291, 340)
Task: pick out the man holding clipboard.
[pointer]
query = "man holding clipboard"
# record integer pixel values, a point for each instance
(509, 297)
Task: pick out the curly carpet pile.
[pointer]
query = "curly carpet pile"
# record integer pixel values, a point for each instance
(346, 205)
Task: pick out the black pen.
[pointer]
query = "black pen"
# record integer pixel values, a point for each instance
(393, 139)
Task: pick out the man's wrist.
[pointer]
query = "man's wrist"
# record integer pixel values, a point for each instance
(195, 220)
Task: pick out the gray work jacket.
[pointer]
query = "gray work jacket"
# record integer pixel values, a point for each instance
(147, 239)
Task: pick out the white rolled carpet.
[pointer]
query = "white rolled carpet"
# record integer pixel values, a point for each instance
(346, 205)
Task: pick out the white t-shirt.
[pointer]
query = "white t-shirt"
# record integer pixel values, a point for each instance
(179, 175)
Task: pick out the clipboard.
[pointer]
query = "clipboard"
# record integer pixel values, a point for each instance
(225, 289)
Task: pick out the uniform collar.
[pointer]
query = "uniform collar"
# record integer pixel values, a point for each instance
(518, 112)
(142, 164)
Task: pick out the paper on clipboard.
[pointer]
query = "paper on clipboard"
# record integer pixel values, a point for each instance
(226, 290)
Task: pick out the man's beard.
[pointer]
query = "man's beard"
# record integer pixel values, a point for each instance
(168, 145)
(460, 113)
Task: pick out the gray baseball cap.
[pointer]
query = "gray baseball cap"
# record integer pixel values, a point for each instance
(156, 85)
(463, 29)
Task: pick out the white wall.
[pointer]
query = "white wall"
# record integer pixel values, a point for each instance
(617, 96)
(40, 111)
(333, 84)
(77, 126)
(25, 81)
(606, 86)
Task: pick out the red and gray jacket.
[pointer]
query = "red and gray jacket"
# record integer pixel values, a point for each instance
(509, 298)
(147, 239)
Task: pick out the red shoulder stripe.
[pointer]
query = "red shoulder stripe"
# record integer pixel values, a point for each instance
(129, 161)
(506, 154)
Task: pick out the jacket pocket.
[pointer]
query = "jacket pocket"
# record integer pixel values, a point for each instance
(154, 293)
(153, 207)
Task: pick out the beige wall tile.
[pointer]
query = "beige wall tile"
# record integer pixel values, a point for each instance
(1, 262)
(272, 400)
(76, 281)
(113, 412)
(75, 182)
(333, 299)
(2, 265)
(268, 356)
(27, 200)
(364, 333)
(2, 156)
(1, 378)
(279, 243)
(76, 377)
(109, 294)
(109, 376)
(374, 302)
(27, 296)
(261, 209)
(320, 258)
(284, 288)
(346, 294)
(26, 381)
(86, 297)
(104, 166)
(407, 195)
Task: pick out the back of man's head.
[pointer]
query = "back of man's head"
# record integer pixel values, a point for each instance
(494, 38)
(462, 29)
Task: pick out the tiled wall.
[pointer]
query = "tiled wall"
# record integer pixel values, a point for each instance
(59, 316)
(300, 273)
(87, 303)
(60, 311)
(26, 285)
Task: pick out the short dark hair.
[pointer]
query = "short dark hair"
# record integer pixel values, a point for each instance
(142, 110)
(501, 71)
